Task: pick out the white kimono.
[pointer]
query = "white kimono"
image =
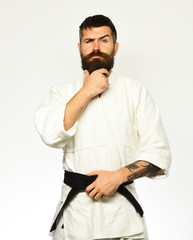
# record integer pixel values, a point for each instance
(105, 137)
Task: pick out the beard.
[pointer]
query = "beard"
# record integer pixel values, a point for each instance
(104, 61)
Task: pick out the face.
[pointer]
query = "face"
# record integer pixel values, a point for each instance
(97, 49)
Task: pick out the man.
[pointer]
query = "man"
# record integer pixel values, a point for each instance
(99, 122)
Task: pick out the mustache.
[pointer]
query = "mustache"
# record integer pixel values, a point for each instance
(95, 53)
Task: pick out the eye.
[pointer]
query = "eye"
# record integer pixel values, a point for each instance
(104, 40)
(88, 41)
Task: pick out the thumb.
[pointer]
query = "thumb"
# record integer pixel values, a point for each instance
(92, 173)
(86, 73)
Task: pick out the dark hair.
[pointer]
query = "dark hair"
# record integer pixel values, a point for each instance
(98, 21)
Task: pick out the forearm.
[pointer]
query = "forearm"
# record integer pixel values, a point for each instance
(75, 107)
(139, 169)
(93, 85)
(108, 182)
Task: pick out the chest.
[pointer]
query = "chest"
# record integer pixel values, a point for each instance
(110, 117)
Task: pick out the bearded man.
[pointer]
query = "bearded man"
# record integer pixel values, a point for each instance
(111, 134)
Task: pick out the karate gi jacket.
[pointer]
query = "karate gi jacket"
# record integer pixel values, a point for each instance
(120, 126)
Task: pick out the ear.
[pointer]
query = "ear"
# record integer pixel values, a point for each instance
(116, 47)
(79, 47)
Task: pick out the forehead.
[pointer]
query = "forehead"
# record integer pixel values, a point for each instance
(96, 32)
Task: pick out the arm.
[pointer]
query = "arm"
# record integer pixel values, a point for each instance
(94, 84)
(56, 127)
(141, 169)
(107, 182)
(154, 148)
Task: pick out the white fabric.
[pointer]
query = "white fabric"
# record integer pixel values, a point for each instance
(106, 136)
(59, 234)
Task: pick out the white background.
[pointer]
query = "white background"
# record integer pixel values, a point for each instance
(38, 48)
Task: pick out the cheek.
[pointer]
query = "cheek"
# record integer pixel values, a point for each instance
(86, 50)
(107, 49)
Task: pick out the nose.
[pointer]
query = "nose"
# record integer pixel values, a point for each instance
(96, 46)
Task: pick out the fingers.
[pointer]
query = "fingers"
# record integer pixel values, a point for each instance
(92, 173)
(90, 187)
(103, 71)
(96, 82)
(97, 196)
(91, 190)
(93, 193)
(86, 73)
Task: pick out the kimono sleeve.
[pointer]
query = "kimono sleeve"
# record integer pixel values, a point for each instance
(154, 146)
(49, 118)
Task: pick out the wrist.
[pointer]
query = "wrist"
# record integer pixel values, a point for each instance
(87, 93)
(122, 174)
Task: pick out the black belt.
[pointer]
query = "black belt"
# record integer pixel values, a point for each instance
(79, 182)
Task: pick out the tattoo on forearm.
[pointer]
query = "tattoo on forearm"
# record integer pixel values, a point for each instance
(141, 169)
(134, 166)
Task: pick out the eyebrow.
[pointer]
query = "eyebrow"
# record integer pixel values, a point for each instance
(92, 39)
